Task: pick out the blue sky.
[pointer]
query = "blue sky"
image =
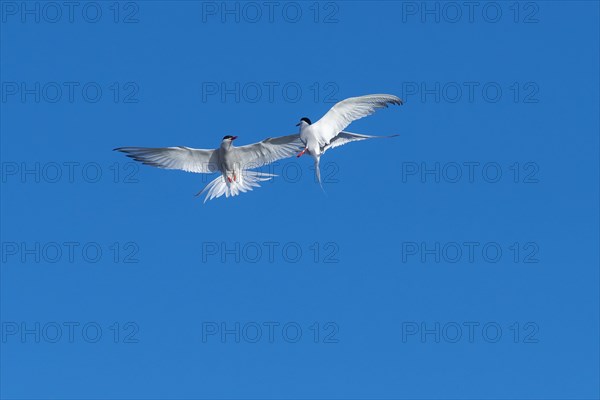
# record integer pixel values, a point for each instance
(458, 260)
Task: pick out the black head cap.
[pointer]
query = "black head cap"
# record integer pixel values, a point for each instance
(227, 137)
(306, 120)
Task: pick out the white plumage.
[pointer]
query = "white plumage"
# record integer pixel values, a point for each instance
(328, 132)
(234, 163)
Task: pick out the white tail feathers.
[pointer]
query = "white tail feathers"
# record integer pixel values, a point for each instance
(318, 172)
(244, 182)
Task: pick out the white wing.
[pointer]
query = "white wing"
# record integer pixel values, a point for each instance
(269, 150)
(346, 137)
(184, 158)
(343, 113)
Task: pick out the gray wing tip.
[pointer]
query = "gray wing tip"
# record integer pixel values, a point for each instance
(389, 99)
(135, 153)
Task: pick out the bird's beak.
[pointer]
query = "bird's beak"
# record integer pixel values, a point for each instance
(233, 138)
(298, 124)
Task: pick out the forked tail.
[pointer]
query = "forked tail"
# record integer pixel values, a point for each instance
(318, 173)
(246, 182)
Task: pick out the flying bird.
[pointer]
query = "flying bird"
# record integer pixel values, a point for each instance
(234, 163)
(328, 132)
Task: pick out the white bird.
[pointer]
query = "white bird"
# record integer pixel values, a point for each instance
(328, 132)
(233, 162)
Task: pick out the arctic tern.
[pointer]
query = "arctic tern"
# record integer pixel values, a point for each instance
(234, 163)
(328, 132)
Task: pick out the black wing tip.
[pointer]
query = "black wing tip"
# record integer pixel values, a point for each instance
(396, 101)
(123, 149)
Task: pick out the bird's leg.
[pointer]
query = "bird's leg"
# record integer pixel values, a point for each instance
(229, 179)
(302, 152)
(234, 176)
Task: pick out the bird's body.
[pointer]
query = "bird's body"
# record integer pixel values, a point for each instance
(328, 132)
(229, 164)
(234, 163)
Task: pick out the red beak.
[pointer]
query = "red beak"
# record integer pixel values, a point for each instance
(234, 137)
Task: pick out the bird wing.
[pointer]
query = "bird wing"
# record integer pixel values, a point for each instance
(343, 113)
(184, 158)
(269, 150)
(346, 137)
